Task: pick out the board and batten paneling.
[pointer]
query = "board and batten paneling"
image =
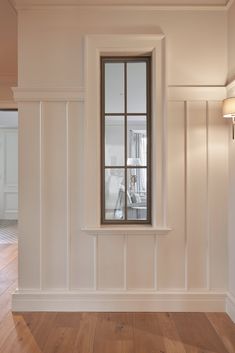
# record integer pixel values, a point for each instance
(54, 195)
(66, 258)
(171, 248)
(30, 195)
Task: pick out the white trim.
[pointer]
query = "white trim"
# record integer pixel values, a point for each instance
(119, 301)
(231, 89)
(174, 93)
(24, 5)
(32, 94)
(137, 230)
(95, 46)
(230, 306)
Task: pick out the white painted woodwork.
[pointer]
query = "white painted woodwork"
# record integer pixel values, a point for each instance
(171, 248)
(141, 262)
(217, 197)
(54, 195)
(30, 202)
(61, 265)
(8, 173)
(196, 194)
(186, 257)
(110, 262)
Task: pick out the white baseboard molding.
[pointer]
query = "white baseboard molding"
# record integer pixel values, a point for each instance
(120, 301)
(230, 306)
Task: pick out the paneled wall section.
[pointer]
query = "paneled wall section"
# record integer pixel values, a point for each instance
(52, 197)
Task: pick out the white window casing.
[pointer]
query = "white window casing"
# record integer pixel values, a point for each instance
(124, 45)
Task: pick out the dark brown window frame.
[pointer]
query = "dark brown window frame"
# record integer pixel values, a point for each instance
(125, 60)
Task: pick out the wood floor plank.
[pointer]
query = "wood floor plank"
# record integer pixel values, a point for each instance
(197, 334)
(225, 329)
(40, 325)
(147, 334)
(170, 334)
(8, 275)
(60, 340)
(84, 342)
(20, 340)
(114, 332)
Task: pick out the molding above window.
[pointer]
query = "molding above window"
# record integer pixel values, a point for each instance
(124, 45)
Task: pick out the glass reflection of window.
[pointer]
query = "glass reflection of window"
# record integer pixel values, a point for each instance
(125, 140)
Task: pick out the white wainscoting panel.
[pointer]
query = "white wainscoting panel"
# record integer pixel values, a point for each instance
(54, 197)
(218, 134)
(196, 207)
(141, 262)
(81, 245)
(30, 195)
(191, 258)
(171, 248)
(110, 262)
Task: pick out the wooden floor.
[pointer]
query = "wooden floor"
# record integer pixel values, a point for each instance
(106, 332)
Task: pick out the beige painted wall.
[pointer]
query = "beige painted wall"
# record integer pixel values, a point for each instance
(51, 43)
(231, 93)
(231, 45)
(8, 51)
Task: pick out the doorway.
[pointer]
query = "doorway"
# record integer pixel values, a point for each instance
(8, 176)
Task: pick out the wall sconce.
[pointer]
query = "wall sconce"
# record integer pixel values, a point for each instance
(229, 110)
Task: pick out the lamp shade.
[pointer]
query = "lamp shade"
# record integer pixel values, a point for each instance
(229, 108)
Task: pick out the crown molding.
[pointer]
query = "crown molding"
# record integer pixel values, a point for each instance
(27, 5)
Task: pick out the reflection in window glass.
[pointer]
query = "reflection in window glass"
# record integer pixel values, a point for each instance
(114, 140)
(114, 194)
(114, 88)
(136, 87)
(137, 194)
(136, 141)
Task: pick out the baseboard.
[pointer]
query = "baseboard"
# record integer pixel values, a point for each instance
(118, 301)
(230, 306)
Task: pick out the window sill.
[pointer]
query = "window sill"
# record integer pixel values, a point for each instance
(103, 230)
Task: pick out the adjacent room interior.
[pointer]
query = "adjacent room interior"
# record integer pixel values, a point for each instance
(117, 118)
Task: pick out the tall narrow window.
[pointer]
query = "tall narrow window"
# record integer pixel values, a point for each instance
(125, 140)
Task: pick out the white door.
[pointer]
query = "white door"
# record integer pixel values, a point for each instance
(8, 173)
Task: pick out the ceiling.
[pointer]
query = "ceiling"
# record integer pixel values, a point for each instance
(124, 2)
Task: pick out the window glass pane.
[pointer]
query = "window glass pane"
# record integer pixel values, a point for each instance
(136, 87)
(136, 141)
(114, 140)
(114, 87)
(137, 194)
(114, 194)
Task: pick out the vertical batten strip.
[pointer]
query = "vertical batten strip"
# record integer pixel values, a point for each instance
(207, 199)
(185, 193)
(125, 262)
(68, 195)
(95, 269)
(40, 185)
(155, 263)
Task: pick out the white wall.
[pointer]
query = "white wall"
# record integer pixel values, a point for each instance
(8, 53)
(54, 254)
(231, 209)
(231, 46)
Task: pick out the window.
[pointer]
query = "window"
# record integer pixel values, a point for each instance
(125, 140)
